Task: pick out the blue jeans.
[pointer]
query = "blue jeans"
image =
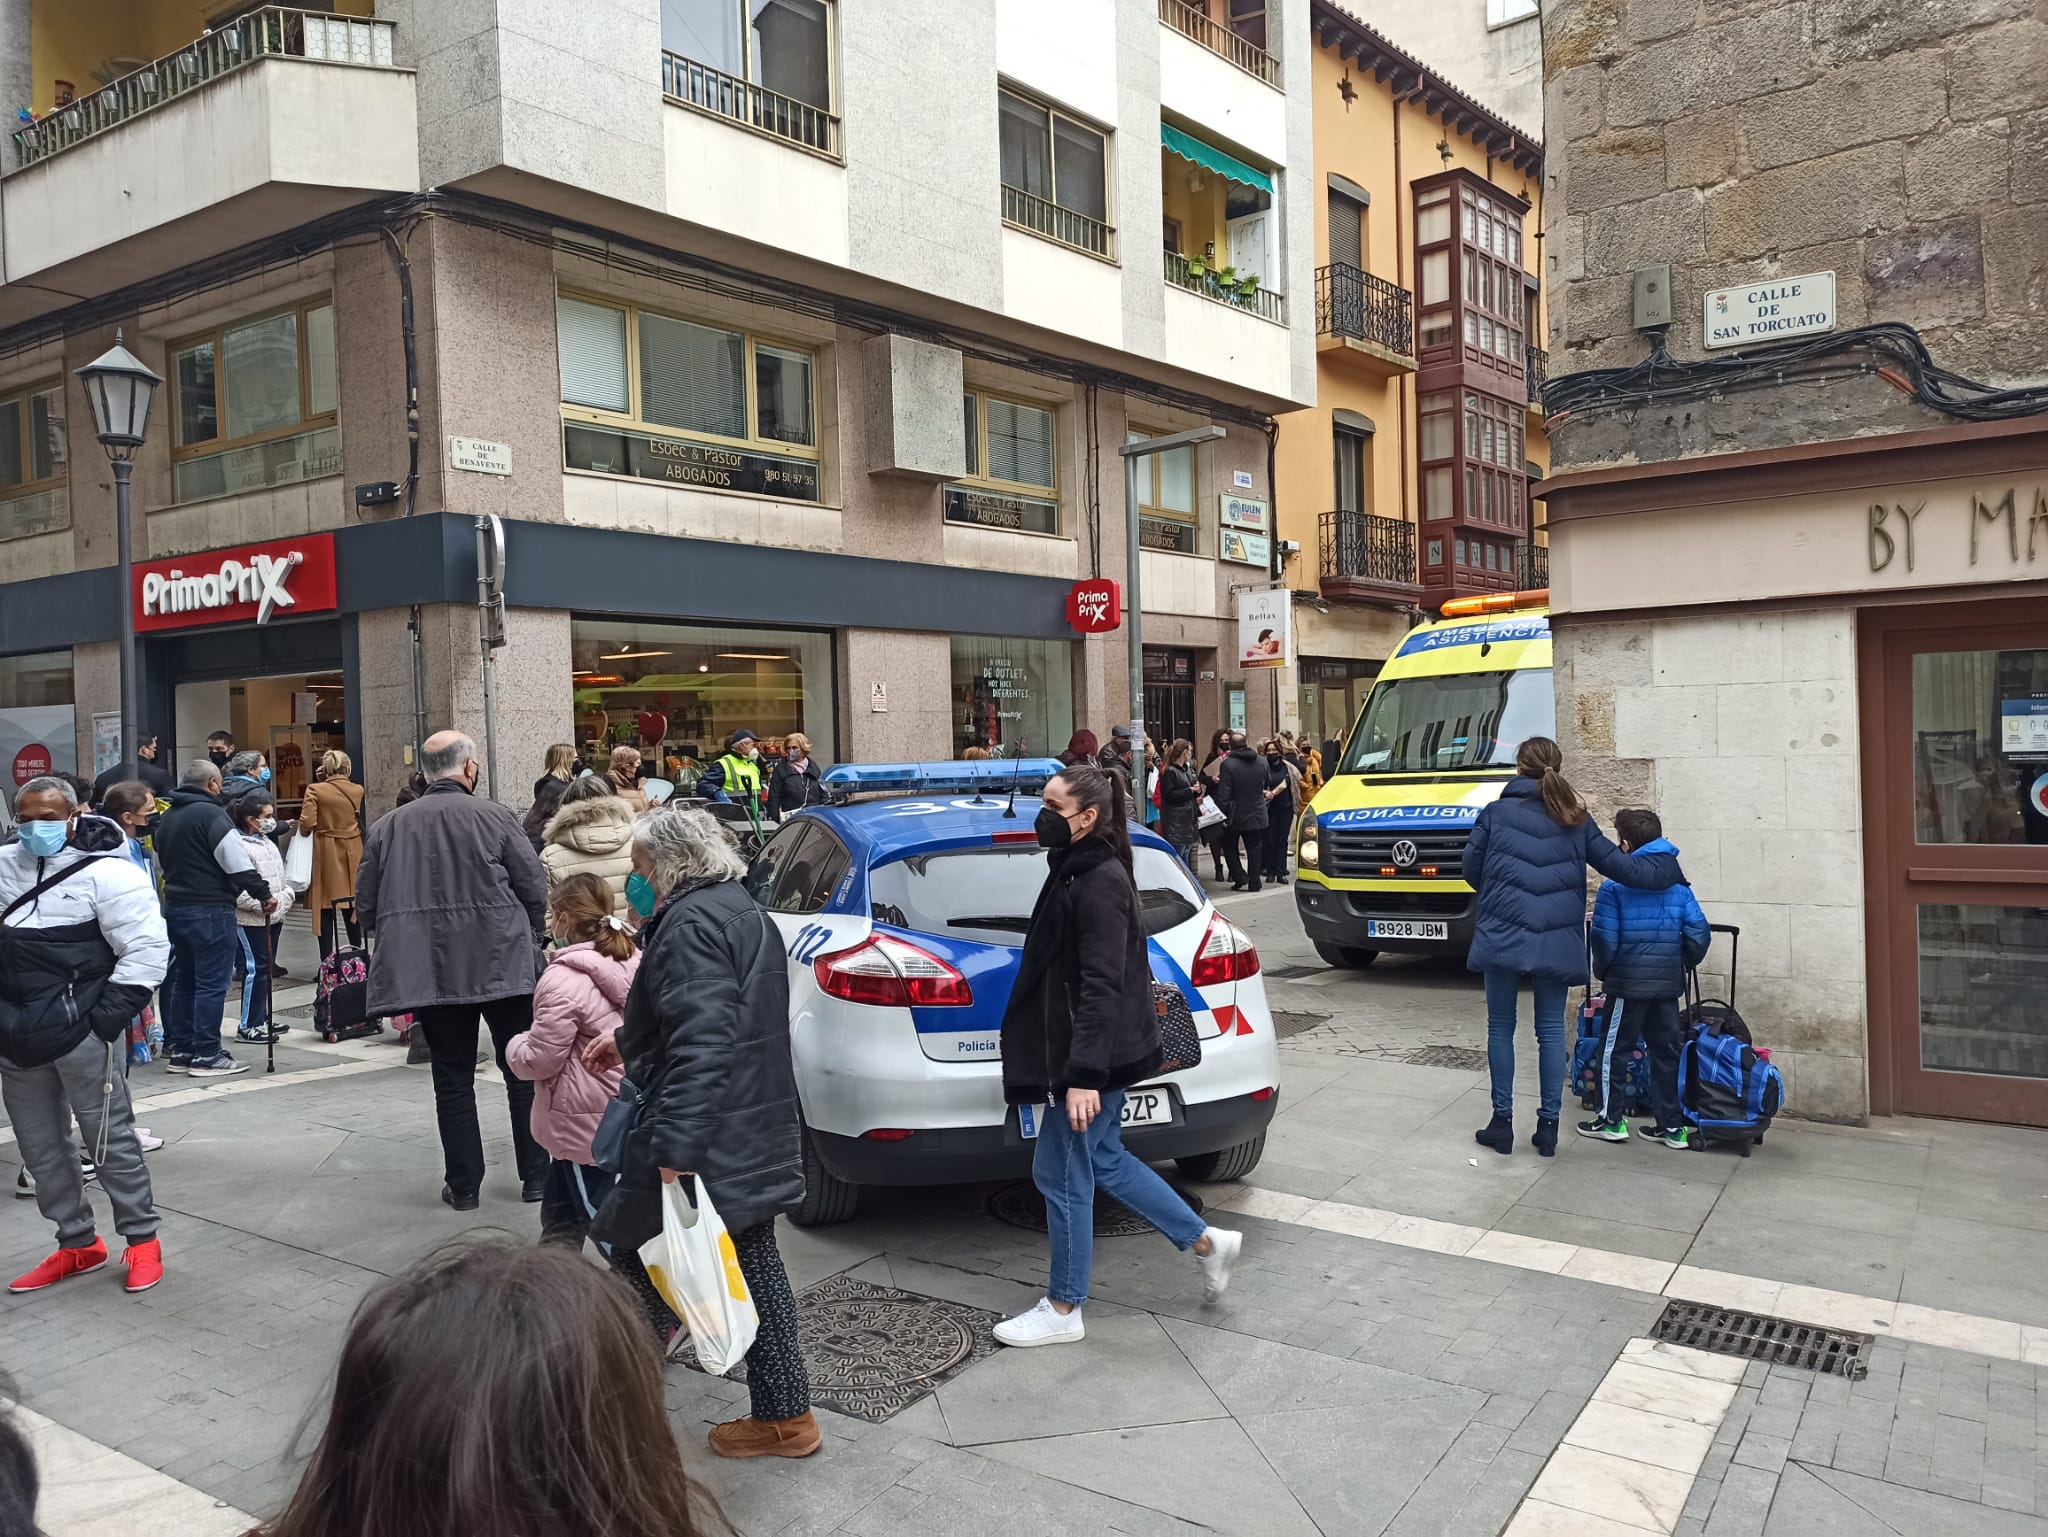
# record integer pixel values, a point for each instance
(195, 990)
(1503, 992)
(1069, 1165)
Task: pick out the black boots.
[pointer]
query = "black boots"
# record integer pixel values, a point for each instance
(1544, 1138)
(1500, 1135)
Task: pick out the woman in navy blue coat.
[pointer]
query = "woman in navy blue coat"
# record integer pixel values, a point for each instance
(1527, 859)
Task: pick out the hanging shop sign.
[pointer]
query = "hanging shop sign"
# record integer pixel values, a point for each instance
(1773, 311)
(1265, 628)
(1244, 534)
(287, 577)
(1095, 606)
(1002, 509)
(686, 462)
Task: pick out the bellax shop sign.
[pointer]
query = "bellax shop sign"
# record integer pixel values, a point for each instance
(250, 582)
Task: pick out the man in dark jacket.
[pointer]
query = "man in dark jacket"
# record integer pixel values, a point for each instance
(82, 945)
(206, 866)
(1117, 758)
(147, 770)
(458, 902)
(1241, 784)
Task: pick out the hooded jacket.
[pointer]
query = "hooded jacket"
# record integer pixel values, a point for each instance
(594, 837)
(204, 860)
(1081, 748)
(1644, 942)
(83, 957)
(1241, 782)
(1530, 873)
(580, 996)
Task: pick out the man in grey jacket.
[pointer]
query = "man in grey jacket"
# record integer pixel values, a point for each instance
(457, 901)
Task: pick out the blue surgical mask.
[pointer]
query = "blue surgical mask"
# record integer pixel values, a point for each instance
(263, 775)
(43, 839)
(639, 894)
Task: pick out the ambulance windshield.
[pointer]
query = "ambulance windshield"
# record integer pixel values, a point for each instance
(1470, 720)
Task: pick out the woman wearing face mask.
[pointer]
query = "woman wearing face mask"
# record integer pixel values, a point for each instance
(592, 834)
(1283, 796)
(1080, 1029)
(255, 817)
(332, 816)
(131, 805)
(1211, 775)
(246, 771)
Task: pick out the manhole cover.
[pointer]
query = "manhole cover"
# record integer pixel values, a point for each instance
(1464, 1059)
(1292, 973)
(1021, 1205)
(1288, 1022)
(873, 1351)
(1759, 1337)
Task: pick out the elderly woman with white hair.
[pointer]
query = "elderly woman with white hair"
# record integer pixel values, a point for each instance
(705, 1042)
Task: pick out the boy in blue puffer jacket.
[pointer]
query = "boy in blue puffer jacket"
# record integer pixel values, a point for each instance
(1644, 942)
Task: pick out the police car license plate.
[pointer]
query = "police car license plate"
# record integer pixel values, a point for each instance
(1405, 928)
(1142, 1107)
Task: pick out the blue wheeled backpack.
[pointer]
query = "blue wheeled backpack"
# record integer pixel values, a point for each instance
(1727, 1092)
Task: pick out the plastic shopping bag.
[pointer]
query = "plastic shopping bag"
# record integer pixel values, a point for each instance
(1210, 815)
(298, 861)
(692, 1264)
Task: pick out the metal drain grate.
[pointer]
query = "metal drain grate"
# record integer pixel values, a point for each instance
(1293, 973)
(1759, 1337)
(1021, 1205)
(1288, 1022)
(1464, 1059)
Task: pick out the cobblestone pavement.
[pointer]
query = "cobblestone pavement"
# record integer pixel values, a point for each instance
(1369, 1371)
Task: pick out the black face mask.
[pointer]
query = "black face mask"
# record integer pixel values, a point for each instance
(220, 758)
(1053, 831)
(1273, 758)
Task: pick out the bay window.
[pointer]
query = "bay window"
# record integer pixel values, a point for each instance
(256, 404)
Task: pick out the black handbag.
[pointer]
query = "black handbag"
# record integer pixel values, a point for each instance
(1179, 1047)
(608, 1142)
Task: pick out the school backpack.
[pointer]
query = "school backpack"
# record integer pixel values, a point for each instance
(341, 995)
(1726, 1089)
(1633, 1070)
(1699, 1012)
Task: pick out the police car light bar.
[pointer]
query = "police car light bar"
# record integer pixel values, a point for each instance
(964, 777)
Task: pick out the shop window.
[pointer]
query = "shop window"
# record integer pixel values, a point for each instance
(677, 691)
(256, 404)
(689, 404)
(1055, 174)
(1166, 496)
(1980, 746)
(34, 494)
(1011, 692)
(1012, 467)
(38, 727)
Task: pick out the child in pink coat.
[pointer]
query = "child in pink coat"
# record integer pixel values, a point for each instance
(581, 995)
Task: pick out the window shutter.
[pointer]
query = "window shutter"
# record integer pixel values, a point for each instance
(1019, 443)
(592, 342)
(1347, 230)
(692, 377)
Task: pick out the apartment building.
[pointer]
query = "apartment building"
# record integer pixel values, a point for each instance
(1406, 484)
(792, 345)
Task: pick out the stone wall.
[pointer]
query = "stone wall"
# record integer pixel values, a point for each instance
(1740, 731)
(1901, 147)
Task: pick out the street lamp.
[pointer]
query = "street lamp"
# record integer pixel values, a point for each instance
(120, 387)
(1134, 599)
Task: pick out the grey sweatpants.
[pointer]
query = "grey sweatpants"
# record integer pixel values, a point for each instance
(41, 1102)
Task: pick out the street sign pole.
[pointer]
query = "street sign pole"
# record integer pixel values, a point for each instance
(1134, 598)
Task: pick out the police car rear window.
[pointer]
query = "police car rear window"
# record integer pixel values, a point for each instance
(988, 894)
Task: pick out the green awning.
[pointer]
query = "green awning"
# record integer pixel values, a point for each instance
(1210, 158)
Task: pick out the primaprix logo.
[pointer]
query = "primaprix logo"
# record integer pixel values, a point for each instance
(261, 581)
(1095, 606)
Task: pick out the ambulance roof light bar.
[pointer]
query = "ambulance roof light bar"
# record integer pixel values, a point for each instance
(941, 778)
(1496, 603)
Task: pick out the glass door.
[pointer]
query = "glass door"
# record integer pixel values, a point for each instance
(1960, 977)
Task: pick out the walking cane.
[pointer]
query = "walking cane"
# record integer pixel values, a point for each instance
(270, 997)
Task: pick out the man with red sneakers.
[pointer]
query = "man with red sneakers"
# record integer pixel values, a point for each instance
(82, 947)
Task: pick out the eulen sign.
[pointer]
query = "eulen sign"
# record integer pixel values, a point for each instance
(285, 577)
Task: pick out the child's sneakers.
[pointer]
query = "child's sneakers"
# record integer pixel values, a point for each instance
(1679, 1137)
(1604, 1130)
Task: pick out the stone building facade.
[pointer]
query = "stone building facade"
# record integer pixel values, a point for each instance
(1798, 608)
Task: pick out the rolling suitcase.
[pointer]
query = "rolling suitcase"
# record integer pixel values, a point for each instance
(341, 997)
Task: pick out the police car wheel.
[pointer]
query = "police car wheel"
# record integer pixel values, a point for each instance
(1227, 1163)
(827, 1197)
(1349, 957)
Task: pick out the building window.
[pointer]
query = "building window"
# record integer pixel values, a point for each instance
(1499, 13)
(1248, 21)
(34, 494)
(661, 398)
(1496, 482)
(1347, 230)
(1166, 496)
(764, 63)
(1494, 292)
(1012, 467)
(1012, 692)
(1055, 174)
(256, 404)
(1437, 454)
(677, 691)
(1349, 472)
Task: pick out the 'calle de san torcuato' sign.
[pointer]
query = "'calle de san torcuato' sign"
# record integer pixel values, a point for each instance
(1773, 311)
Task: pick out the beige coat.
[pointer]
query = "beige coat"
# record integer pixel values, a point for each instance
(629, 792)
(331, 812)
(593, 836)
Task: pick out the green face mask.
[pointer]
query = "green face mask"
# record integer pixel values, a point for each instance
(640, 894)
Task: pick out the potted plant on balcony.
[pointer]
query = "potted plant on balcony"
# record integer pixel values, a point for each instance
(1198, 268)
(1248, 290)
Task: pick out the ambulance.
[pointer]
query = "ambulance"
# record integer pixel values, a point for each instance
(1379, 850)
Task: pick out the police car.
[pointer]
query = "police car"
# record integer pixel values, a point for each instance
(903, 909)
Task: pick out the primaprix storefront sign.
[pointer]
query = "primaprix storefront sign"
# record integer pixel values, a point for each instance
(257, 582)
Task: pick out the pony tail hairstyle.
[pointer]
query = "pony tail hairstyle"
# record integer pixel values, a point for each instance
(1103, 792)
(1542, 760)
(584, 904)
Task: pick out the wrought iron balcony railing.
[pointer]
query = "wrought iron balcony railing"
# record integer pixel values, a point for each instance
(273, 32)
(1532, 562)
(1064, 226)
(1363, 307)
(740, 101)
(1199, 277)
(1361, 547)
(1539, 370)
(1192, 21)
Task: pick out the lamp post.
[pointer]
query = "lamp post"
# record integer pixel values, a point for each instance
(1134, 603)
(120, 387)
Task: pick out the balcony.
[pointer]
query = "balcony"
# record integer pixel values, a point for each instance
(1368, 559)
(717, 94)
(274, 120)
(1532, 561)
(1364, 319)
(1539, 370)
(1193, 22)
(1198, 276)
(1063, 226)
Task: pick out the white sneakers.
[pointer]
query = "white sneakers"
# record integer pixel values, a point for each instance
(1223, 1247)
(1043, 1325)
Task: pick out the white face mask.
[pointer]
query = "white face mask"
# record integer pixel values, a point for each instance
(267, 825)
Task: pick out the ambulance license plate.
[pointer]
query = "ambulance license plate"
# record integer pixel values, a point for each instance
(1405, 928)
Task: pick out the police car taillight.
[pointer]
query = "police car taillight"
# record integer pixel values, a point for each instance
(891, 973)
(1226, 955)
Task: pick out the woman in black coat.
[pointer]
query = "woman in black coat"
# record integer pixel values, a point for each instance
(705, 1038)
(793, 783)
(1180, 801)
(1080, 1029)
(1207, 781)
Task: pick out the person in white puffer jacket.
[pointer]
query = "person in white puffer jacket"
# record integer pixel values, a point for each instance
(255, 818)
